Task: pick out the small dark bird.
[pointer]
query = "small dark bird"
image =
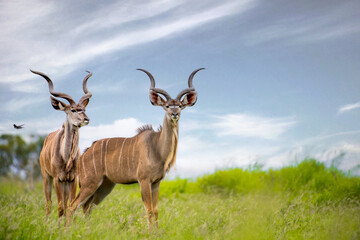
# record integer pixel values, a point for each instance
(18, 126)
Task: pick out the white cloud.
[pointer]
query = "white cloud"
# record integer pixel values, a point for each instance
(125, 13)
(147, 34)
(252, 126)
(349, 107)
(307, 29)
(59, 47)
(199, 156)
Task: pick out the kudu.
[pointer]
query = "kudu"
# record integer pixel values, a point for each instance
(144, 158)
(60, 152)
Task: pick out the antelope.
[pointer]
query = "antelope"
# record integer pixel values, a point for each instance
(60, 151)
(144, 158)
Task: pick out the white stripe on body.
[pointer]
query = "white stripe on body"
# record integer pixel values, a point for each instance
(94, 158)
(133, 151)
(113, 159)
(106, 147)
(121, 153)
(128, 156)
(83, 165)
(101, 150)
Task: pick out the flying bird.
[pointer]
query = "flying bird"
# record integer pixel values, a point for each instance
(18, 126)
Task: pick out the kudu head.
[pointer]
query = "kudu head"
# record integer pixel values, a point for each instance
(75, 112)
(173, 107)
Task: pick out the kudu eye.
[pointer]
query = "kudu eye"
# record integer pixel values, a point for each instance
(167, 106)
(73, 110)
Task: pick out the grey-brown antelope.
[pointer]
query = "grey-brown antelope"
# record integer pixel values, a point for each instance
(61, 148)
(144, 158)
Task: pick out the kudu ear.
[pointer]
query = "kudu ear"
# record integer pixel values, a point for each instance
(189, 99)
(85, 102)
(156, 100)
(57, 104)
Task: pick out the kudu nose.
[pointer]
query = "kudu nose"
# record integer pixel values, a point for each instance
(86, 120)
(174, 115)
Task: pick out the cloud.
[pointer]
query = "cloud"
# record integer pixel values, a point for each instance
(252, 126)
(328, 136)
(299, 33)
(198, 156)
(46, 39)
(125, 13)
(349, 107)
(146, 34)
(335, 23)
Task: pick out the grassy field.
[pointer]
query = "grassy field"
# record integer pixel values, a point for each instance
(306, 201)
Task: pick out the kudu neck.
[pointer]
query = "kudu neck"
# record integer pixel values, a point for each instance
(70, 140)
(169, 130)
(70, 129)
(168, 141)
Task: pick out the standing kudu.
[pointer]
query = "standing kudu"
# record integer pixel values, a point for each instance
(144, 158)
(61, 148)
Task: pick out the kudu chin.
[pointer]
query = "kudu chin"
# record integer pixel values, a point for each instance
(61, 148)
(144, 158)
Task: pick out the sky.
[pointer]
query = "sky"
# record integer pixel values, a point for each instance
(281, 81)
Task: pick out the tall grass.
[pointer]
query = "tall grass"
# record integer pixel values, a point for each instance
(308, 177)
(306, 201)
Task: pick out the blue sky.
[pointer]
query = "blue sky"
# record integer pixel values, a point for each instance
(281, 80)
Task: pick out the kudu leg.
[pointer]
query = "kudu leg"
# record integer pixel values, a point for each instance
(85, 193)
(105, 188)
(73, 186)
(155, 199)
(67, 186)
(87, 205)
(146, 196)
(47, 185)
(72, 194)
(59, 188)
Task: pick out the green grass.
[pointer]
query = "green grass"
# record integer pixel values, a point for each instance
(306, 201)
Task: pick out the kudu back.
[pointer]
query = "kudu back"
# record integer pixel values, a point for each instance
(144, 158)
(60, 151)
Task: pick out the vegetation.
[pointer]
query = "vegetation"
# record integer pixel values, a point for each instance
(306, 201)
(19, 157)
